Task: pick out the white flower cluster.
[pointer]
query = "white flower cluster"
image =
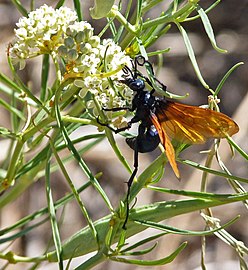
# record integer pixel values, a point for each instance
(91, 62)
(40, 33)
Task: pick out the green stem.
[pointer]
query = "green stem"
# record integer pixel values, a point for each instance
(169, 18)
(12, 258)
(207, 164)
(74, 190)
(116, 14)
(71, 119)
(22, 138)
(58, 71)
(13, 165)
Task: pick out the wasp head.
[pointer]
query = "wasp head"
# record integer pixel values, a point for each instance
(136, 85)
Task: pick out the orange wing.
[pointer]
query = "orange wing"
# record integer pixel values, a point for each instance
(193, 125)
(190, 125)
(165, 140)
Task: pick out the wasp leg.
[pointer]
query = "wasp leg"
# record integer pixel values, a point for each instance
(115, 130)
(138, 141)
(129, 183)
(116, 109)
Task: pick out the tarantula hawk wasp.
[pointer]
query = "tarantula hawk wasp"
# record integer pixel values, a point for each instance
(161, 120)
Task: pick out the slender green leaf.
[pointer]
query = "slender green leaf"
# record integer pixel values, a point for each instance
(173, 230)
(142, 242)
(52, 213)
(60, 4)
(238, 148)
(82, 164)
(77, 6)
(163, 261)
(193, 194)
(20, 233)
(138, 11)
(44, 77)
(12, 109)
(61, 202)
(20, 7)
(140, 252)
(192, 55)
(209, 29)
(85, 169)
(14, 91)
(209, 170)
(206, 11)
(218, 88)
(158, 52)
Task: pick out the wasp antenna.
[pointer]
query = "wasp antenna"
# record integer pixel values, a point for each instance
(127, 71)
(146, 62)
(142, 62)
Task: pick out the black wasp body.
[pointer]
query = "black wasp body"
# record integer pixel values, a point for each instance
(144, 104)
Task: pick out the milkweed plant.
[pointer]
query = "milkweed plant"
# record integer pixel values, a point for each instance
(88, 73)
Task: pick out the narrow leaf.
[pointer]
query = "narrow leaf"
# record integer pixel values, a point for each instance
(192, 55)
(12, 109)
(173, 230)
(53, 220)
(163, 261)
(143, 241)
(229, 72)
(209, 29)
(206, 169)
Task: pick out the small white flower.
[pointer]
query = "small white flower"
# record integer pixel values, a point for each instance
(21, 33)
(82, 26)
